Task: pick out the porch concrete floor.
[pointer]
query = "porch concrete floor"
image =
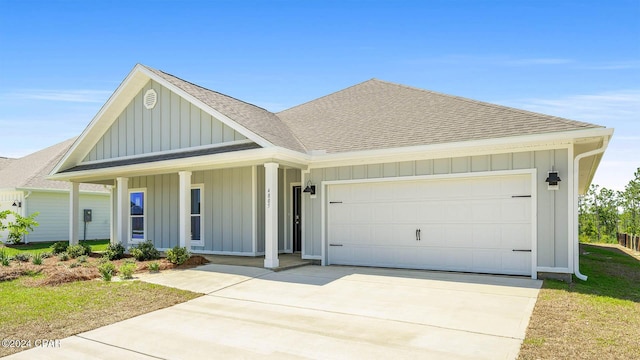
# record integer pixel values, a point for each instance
(287, 261)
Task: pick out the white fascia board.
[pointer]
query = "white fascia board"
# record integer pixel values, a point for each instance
(208, 109)
(130, 86)
(457, 149)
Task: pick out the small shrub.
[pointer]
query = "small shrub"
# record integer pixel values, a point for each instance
(63, 256)
(145, 251)
(82, 259)
(87, 248)
(4, 258)
(22, 257)
(37, 259)
(106, 270)
(126, 270)
(75, 250)
(74, 265)
(178, 255)
(154, 266)
(114, 252)
(59, 247)
(45, 255)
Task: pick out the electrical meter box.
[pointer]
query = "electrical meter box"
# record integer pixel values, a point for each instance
(87, 215)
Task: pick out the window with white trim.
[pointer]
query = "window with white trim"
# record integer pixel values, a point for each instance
(196, 215)
(137, 216)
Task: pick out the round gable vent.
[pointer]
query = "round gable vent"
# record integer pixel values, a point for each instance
(150, 99)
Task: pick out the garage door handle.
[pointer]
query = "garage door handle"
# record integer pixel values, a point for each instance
(335, 244)
(418, 231)
(522, 250)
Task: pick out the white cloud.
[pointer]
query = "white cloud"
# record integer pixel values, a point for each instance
(616, 106)
(616, 109)
(77, 96)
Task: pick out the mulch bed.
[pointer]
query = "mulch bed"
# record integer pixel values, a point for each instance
(56, 272)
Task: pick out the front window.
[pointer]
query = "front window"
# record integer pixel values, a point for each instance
(196, 214)
(137, 216)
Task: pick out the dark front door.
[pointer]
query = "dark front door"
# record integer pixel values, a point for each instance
(297, 213)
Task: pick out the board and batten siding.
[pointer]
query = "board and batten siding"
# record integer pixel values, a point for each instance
(54, 216)
(285, 178)
(553, 222)
(226, 216)
(174, 123)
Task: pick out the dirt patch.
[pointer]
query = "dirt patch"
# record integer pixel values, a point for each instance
(56, 272)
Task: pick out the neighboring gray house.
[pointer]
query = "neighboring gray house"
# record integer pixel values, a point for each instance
(24, 189)
(397, 176)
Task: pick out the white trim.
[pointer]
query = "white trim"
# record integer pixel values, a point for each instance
(133, 241)
(184, 209)
(303, 179)
(168, 152)
(558, 270)
(534, 200)
(311, 257)
(457, 149)
(254, 208)
(202, 217)
(290, 215)
(570, 208)
(534, 223)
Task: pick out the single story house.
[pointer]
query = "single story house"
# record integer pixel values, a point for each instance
(351, 178)
(25, 189)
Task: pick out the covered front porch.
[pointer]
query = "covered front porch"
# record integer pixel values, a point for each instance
(248, 211)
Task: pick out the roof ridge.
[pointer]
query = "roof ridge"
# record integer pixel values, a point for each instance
(327, 95)
(487, 104)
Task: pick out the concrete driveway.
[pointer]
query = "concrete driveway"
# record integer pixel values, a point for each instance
(319, 312)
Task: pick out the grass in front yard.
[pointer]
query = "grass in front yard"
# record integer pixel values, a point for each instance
(596, 319)
(40, 247)
(56, 312)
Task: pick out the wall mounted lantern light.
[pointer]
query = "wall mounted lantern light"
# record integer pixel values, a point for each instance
(553, 180)
(17, 203)
(311, 189)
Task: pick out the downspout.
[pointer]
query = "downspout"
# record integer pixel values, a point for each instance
(576, 238)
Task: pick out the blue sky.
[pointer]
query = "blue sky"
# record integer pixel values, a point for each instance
(60, 60)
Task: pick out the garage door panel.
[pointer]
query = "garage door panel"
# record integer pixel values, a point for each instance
(487, 236)
(471, 224)
(405, 212)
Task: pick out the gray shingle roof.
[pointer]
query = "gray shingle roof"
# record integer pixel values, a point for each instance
(5, 162)
(376, 114)
(256, 119)
(31, 171)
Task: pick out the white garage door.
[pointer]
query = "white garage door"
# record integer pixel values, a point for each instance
(480, 224)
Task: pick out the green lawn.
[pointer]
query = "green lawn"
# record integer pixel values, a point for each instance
(596, 319)
(38, 247)
(56, 312)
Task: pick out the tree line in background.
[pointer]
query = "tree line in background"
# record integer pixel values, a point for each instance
(603, 212)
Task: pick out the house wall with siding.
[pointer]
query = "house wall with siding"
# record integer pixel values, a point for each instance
(553, 222)
(227, 210)
(174, 123)
(54, 216)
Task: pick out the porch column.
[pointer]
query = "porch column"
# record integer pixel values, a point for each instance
(113, 231)
(184, 212)
(74, 212)
(123, 208)
(271, 216)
